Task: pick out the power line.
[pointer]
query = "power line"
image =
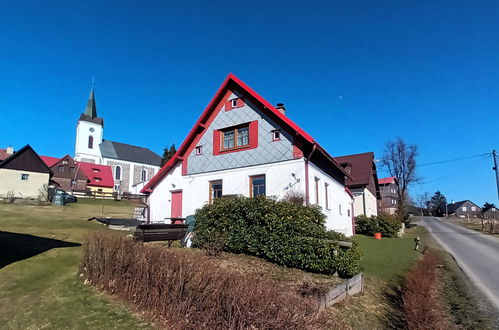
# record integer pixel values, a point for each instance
(456, 159)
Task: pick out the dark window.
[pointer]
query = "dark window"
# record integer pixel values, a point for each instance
(90, 142)
(257, 185)
(117, 172)
(235, 138)
(72, 169)
(326, 195)
(24, 176)
(276, 135)
(60, 168)
(143, 175)
(215, 190)
(234, 103)
(199, 150)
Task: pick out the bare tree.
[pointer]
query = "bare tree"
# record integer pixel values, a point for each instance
(400, 159)
(422, 202)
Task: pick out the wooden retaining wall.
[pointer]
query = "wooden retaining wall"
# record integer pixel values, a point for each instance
(350, 287)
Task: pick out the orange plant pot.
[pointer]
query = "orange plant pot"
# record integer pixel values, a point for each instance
(377, 235)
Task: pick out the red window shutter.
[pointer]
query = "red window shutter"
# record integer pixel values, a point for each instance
(253, 134)
(228, 105)
(240, 102)
(216, 142)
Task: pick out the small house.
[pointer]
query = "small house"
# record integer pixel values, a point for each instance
(389, 194)
(464, 209)
(67, 173)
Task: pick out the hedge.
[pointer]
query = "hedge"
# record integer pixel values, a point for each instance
(281, 232)
(385, 224)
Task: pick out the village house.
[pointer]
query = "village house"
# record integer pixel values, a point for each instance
(364, 182)
(464, 209)
(67, 173)
(243, 145)
(23, 174)
(490, 213)
(389, 194)
(132, 166)
(100, 177)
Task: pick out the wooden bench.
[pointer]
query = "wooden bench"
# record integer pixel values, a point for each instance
(160, 232)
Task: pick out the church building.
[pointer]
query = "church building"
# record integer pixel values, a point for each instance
(132, 166)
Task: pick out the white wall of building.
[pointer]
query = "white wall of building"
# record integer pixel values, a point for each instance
(83, 131)
(361, 196)
(339, 205)
(10, 182)
(279, 180)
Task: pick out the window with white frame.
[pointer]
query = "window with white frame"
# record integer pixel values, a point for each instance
(339, 206)
(199, 150)
(316, 191)
(464, 209)
(233, 102)
(143, 175)
(24, 176)
(473, 208)
(276, 135)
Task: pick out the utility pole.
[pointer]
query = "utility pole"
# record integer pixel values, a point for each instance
(494, 155)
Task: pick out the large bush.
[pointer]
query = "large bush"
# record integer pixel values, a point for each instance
(282, 232)
(385, 224)
(180, 289)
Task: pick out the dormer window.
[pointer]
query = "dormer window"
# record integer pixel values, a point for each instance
(97, 179)
(276, 135)
(199, 150)
(95, 170)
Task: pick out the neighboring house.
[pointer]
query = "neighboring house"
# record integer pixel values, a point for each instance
(67, 173)
(24, 175)
(364, 182)
(389, 194)
(490, 213)
(131, 165)
(243, 145)
(4, 153)
(100, 177)
(464, 209)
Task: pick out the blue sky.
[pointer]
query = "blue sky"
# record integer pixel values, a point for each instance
(353, 74)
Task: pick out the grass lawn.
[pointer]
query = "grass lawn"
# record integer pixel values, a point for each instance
(40, 254)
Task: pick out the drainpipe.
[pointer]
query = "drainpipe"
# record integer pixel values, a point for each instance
(307, 194)
(364, 202)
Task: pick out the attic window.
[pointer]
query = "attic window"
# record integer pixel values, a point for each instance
(24, 176)
(233, 102)
(199, 150)
(276, 135)
(60, 168)
(95, 170)
(97, 179)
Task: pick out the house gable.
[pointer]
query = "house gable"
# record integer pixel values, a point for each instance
(261, 147)
(26, 159)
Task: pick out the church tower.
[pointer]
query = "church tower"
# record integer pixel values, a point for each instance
(89, 133)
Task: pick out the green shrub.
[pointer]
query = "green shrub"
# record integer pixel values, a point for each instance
(385, 224)
(285, 233)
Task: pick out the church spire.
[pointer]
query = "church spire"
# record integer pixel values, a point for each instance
(91, 109)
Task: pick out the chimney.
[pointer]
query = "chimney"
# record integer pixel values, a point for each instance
(281, 108)
(10, 150)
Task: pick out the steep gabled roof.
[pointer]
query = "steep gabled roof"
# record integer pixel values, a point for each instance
(25, 159)
(122, 151)
(451, 208)
(232, 82)
(362, 170)
(98, 175)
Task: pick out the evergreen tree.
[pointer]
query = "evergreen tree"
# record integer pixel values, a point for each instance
(168, 153)
(487, 205)
(437, 204)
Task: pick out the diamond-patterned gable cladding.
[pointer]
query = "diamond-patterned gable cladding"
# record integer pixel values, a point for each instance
(268, 151)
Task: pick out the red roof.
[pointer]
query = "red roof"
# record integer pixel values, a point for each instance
(200, 126)
(4, 154)
(98, 175)
(49, 161)
(388, 180)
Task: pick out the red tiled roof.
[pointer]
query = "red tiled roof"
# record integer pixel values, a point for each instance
(98, 175)
(49, 161)
(4, 154)
(388, 180)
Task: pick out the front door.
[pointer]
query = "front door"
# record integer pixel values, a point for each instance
(176, 204)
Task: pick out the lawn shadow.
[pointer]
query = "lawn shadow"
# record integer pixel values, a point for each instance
(394, 318)
(15, 247)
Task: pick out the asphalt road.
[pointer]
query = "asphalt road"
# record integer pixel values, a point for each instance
(477, 254)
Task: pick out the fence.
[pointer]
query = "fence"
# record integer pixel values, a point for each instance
(350, 287)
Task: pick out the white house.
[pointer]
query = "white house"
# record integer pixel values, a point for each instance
(132, 166)
(243, 145)
(364, 182)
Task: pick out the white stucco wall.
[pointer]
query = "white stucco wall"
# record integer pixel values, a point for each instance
(81, 146)
(10, 181)
(338, 198)
(279, 180)
(360, 195)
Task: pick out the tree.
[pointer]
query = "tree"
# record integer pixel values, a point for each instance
(422, 202)
(487, 205)
(400, 159)
(437, 204)
(168, 154)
